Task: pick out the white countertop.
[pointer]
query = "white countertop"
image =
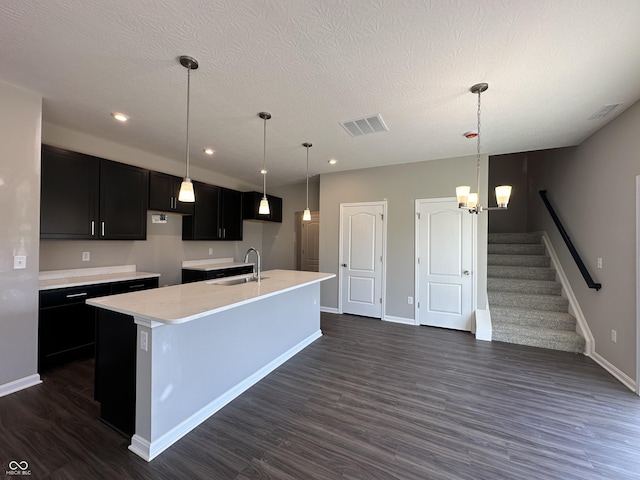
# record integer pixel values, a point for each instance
(213, 264)
(78, 277)
(183, 303)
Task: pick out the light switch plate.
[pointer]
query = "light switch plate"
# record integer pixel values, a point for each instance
(19, 262)
(86, 256)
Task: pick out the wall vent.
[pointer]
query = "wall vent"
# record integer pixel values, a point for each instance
(365, 125)
(604, 111)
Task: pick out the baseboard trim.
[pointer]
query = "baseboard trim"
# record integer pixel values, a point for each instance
(615, 371)
(329, 310)
(575, 310)
(483, 326)
(405, 321)
(149, 450)
(20, 384)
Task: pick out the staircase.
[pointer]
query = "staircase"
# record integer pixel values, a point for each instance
(525, 299)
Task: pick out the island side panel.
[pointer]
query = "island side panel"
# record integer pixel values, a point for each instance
(193, 369)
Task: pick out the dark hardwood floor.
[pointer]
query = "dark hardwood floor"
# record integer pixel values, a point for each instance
(369, 400)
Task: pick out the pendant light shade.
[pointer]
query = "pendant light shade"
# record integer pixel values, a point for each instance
(186, 188)
(263, 209)
(469, 200)
(306, 216)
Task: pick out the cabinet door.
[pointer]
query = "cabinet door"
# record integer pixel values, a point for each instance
(163, 194)
(231, 214)
(123, 201)
(204, 224)
(252, 203)
(68, 195)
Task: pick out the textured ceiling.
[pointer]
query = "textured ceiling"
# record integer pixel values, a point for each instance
(550, 65)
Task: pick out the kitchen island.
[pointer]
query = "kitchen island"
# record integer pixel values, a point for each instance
(200, 345)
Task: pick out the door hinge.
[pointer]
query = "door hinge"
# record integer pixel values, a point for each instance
(418, 304)
(418, 215)
(382, 216)
(418, 260)
(380, 257)
(381, 300)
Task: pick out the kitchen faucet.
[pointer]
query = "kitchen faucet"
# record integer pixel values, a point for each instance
(258, 267)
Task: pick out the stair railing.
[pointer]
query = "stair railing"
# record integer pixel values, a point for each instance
(569, 243)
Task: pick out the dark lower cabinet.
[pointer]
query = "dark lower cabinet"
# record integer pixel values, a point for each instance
(189, 276)
(115, 372)
(66, 326)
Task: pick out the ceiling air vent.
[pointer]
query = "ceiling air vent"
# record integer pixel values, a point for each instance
(604, 111)
(365, 125)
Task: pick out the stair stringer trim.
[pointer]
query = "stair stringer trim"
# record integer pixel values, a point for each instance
(582, 327)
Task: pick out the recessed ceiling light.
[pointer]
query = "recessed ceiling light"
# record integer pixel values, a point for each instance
(209, 151)
(121, 117)
(333, 161)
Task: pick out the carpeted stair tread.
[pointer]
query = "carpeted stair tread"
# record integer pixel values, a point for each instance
(519, 260)
(545, 287)
(531, 273)
(531, 301)
(539, 337)
(533, 318)
(515, 238)
(516, 249)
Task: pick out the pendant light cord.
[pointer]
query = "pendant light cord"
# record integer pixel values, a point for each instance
(478, 154)
(307, 177)
(188, 98)
(264, 161)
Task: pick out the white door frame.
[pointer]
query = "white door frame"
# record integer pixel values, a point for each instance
(474, 259)
(383, 273)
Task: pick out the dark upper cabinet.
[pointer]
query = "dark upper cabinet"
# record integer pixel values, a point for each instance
(123, 201)
(69, 194)
(217, 214)
(252, 203)
(85, 197)
(163, 194)
(204, 223)
(231, 214)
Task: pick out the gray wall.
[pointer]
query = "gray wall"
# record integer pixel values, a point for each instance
(279, 240)
(511, 170)
(592, 188)
(20, 120)
(400, 185)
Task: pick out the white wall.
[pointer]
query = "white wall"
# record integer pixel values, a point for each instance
(400, 185)
(20, 120)
(592, 188)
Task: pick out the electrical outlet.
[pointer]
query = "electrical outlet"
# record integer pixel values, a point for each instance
(211, 251)
(19, 262)
(144, 341)
(599, 262)
(410, 300)
(614, 336)
(86, 256)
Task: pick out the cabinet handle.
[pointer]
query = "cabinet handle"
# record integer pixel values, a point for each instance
(173, 202)
(73, 295)
(140, 285)
(224, 233)
(219, 233)
(93, 228)
(103, 229)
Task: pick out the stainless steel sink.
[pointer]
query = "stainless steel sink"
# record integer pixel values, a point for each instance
(236, 281)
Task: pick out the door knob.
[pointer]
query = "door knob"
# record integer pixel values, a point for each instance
(466, 272)
(343, 264)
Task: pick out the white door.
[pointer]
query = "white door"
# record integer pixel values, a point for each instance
(361, 253)
(445, 260)
(310, 243)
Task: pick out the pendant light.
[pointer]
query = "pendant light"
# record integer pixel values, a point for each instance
(468, 200)
(306, 216)
(264, 203)
(186, 188)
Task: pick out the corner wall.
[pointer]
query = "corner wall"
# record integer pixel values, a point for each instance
(20, 117)
(592, 188)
